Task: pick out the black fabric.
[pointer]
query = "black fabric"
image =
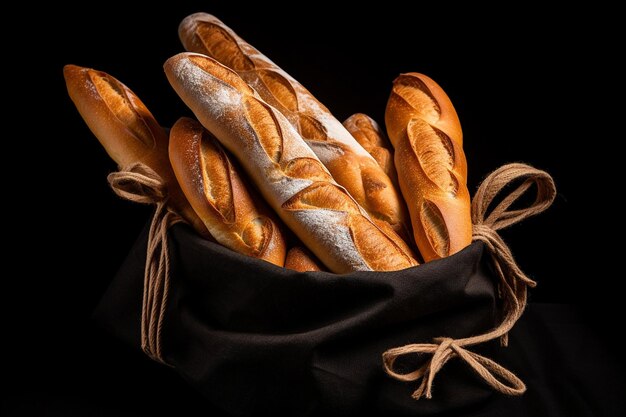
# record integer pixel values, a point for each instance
(570, 366)
(254, 338)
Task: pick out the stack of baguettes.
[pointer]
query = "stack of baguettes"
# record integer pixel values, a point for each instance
(267, 171)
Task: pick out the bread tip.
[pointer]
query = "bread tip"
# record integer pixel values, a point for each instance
(70, 67)
(175, 64)
(183, 57)
(188, 24)
(71, 71)
(186, 64)
(199, 16)
(171, 61)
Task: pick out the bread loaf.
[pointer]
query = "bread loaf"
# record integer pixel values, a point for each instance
(302, 260)
(211, 183)
(426, 134)
(372, 138)
(289, 175)
(126, 129)
(350, 164)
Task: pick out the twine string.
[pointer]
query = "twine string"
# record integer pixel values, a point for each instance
(140, 184)
(512, 288)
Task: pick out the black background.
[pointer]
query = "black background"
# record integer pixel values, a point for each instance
(526, 84)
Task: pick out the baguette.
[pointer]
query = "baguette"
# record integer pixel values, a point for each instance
(372, 138)
(127, 130)
(211, 183)
(350, 165)
(302, 260)
(286, 171)
(432, 171)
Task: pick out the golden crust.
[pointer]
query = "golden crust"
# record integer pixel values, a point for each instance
(218, 194)
(126, 129)
(302, 260)
(425, 131)
(371, 137)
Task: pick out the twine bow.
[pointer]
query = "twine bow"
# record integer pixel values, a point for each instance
(512, 286)
(140, 184)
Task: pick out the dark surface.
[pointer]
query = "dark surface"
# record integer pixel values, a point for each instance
(528, 86)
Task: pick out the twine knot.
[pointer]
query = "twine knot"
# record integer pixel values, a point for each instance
(140, 184)
(512, 286)
(443, 349)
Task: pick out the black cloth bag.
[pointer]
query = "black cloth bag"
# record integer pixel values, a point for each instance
(255, 338)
